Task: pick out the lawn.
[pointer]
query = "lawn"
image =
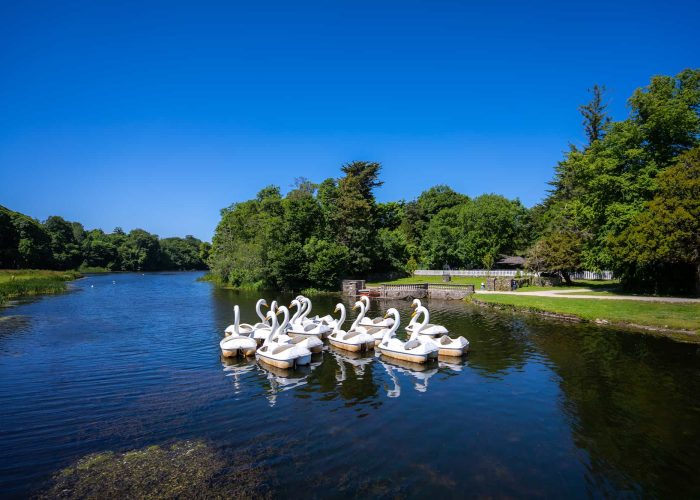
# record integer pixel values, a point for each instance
(654, 314)
(15, 283)
(597, 286)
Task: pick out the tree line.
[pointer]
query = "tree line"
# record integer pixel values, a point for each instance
(627, 201)
(60, 244)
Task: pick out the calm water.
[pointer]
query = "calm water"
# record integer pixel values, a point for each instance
(536, 409)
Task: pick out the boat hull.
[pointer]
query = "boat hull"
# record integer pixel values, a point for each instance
(232, 353)
(404, 356)
(346, 346)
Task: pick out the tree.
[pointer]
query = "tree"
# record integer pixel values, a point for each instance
(355, 217)
(140, 251)
(661, 248)
(559, 252)
(327, 262)
(65, 248)
(595, 118)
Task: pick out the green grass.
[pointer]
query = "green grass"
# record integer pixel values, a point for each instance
(458, 280)
(653, 314)
(16, 283)
(597, 286)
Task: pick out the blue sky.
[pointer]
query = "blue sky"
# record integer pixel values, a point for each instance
(158, 114)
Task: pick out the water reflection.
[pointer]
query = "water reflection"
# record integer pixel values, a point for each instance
(537, 408)
(416, 373)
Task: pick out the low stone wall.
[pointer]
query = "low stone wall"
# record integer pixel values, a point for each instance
(450, 292)
(352, 287)
(413, 291)
(505, 284)
(425, 290)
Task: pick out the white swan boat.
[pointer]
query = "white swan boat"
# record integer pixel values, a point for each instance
(378, 321)
(414, 350)
(313, 344)
(352, 340)
(281, 355)
(236, 344)
(300, 326)
(377, 332)
(447, 345)
(429, 328)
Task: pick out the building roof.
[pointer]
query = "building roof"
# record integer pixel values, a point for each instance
(511, 260)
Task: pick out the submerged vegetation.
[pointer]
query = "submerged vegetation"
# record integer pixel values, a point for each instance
(187, 469)
(59, 244)
(627, 201)
(24, 283)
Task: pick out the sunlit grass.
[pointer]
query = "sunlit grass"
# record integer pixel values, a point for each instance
(15, 283)
(682, 316)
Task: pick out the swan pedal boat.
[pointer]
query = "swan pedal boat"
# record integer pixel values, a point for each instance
(429, 329)
(447, 346)
(299, 326)
(236, 344)
(353, 340)
(414, 350)
(377, 332)
(376, 322)
(281, 355)
(312, 343)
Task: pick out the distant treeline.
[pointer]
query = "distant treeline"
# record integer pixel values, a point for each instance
(628, 201)
(59, 244)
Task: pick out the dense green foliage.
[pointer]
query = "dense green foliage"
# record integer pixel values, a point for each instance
(620, 203)
(60, 244)
(318, 234)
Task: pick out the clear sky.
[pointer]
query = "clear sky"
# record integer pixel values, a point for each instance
(158, 114)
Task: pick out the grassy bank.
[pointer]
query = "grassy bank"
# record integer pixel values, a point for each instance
(16, 283)
(621, 312)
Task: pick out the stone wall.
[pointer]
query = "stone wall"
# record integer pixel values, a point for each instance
(352, 287)
(417, 291)
(449, 293)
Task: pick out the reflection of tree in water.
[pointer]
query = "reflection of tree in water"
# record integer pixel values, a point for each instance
(499, 341)
(633, 400)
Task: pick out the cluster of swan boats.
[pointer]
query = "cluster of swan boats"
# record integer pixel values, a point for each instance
(291, 342)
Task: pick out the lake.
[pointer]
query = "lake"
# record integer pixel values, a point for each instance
(537, 408)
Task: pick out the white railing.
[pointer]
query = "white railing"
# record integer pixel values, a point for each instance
(583, 275)
(470, 272)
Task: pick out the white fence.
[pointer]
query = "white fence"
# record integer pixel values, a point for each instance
(583, 275)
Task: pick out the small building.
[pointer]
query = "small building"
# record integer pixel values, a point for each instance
(510, 262)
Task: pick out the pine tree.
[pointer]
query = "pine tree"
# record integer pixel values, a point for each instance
(595, 117)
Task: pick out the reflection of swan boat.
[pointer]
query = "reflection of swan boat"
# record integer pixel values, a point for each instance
(281, 379)
(356, 360)
(451, 362)
(419, 372)
(236, 368)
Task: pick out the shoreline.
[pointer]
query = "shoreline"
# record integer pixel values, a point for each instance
(678, 334)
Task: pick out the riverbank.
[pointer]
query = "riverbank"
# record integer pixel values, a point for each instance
(18, 283)
(678, 320)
